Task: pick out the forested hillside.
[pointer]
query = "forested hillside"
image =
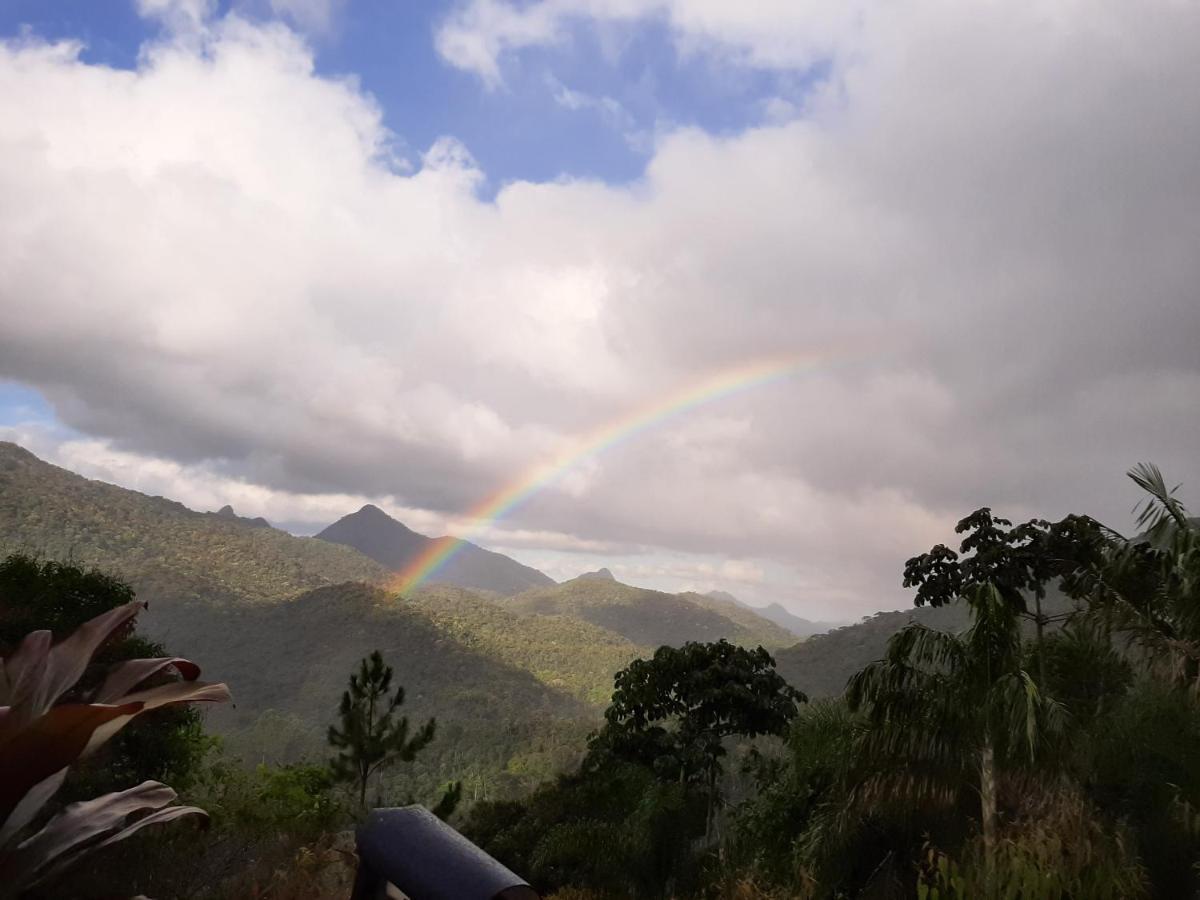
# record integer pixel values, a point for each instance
(287, 664)
(651, 618)
(168, 552)
(773, 612)
(515, 683)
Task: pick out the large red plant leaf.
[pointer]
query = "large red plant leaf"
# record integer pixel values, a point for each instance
(128, 675)
(38, 673)
(49, 743)
(153, 698)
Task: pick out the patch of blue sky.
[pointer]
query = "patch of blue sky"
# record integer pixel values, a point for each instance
(586, 107)
(110, 30)
(21, 405)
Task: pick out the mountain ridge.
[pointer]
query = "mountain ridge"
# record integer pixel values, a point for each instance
(647, 617)
(391, 543)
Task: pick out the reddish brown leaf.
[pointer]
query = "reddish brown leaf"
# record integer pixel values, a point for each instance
(49, 743)
(128, 675)
(38, 674)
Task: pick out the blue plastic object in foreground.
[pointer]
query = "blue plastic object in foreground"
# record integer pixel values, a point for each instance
(425, 858)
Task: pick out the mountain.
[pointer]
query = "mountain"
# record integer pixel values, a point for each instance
(169, 553)
(823, 664)
(287, 664)
(284, 619)
(599, 575)
(226, 512)
(773, 612)
(374, 533)
(649, 618)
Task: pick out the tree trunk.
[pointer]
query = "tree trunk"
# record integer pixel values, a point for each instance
(1041, 646)
(987, 799)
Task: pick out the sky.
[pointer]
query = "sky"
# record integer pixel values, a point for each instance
(300, 255)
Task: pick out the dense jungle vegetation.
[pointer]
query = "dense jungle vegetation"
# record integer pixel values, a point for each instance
(1041, 744)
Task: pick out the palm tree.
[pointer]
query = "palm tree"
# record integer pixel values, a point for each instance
(1148, 587)
(940, 707)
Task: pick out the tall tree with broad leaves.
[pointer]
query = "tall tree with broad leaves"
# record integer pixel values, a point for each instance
(370, 735)
(672, 712)
(1017, 561)
(943, 707)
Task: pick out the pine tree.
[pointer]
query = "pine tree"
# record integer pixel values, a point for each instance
(370, 736)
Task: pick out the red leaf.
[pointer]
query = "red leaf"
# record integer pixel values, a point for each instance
(128, 675)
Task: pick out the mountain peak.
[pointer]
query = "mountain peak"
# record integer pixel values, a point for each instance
(725, 596)
(226, 512)
(598, 575)
(374, 533)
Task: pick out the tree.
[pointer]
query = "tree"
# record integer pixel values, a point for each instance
(673, 711)
(939, 704)
(1148, 587)
(1017, 562)
(370, 737)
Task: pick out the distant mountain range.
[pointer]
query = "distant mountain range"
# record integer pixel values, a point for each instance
(374, 533)
(823, 664)
(649, 618)
(515, 681)
(775, 613)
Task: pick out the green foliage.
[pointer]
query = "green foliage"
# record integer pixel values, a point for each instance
(562, 652)
(1149, 588)
(1084, 671)
(1016, 561)
(301, 799)
(616, 829)
(370, 736)
(650, 618)
(1061, 850)
(58, 597)
(271, 835)
(673, 711)
(793, 790)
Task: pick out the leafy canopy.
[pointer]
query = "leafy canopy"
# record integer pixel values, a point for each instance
(672, 711)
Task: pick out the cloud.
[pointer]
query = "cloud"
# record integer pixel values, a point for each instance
(313, 16)
(178, 15)
(214, 262)
(772, 34)
(609, 109)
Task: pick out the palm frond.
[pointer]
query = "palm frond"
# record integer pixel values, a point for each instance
(1161, 507)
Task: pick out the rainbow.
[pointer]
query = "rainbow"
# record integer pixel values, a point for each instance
(501, 503)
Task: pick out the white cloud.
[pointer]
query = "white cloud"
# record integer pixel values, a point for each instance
(609, 109)
(314, 16)
(178, 15)
(214, 262)
(776, 34)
